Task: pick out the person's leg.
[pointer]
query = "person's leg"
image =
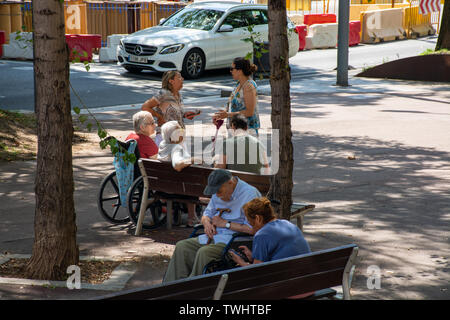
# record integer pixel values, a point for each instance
(205, 255)
(180, 265)
(191, 214)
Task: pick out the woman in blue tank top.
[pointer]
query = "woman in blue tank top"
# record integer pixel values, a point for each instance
(244, 98)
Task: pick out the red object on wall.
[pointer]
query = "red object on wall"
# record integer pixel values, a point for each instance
(354, 33)
(2, 41)
(81, 43)
(310, 19)
(302, 31)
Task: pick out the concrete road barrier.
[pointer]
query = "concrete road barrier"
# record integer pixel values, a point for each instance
(20, 46)
(297, 19)
(382, 25)
(108, 54)
(415, 24)
(354, 33)
(322, 36)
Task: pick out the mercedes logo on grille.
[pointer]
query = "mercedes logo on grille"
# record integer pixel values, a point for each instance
(138, 50)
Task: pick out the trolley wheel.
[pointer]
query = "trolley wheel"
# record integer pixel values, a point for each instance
(108, 201)
(155, 214)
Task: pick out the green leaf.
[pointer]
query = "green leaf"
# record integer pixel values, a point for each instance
(82, 118)
(76, 110)
(102, 133)
(89, 126)
(248, 56)
(103, 144)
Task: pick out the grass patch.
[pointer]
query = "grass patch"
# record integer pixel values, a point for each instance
(431, 51)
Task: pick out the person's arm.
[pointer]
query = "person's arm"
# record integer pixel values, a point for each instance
(209, 228)
(250, 99)
(149, 106)
(179, 162)
(220, 222)
(236, 258)
(221, 162)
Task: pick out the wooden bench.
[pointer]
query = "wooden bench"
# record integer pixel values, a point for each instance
(280, 279)
(188, 185)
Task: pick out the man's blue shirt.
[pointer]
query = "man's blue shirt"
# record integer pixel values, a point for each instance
(242, 194)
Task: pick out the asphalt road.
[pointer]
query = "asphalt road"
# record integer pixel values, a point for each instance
(110, 85)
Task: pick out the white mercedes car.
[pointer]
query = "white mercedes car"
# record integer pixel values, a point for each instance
(199, 37)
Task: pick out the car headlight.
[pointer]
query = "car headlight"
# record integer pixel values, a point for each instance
(172, 48)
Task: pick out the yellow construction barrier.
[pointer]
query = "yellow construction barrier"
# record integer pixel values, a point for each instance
(163, 9)
(292, 5)
(357, 9)
(415, 24)
(382, 25)
(5, 20)
(75, 17)
(376, 2)
(16, 17)
(10, 18)
(146, 15)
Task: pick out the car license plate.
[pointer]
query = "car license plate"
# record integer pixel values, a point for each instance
(138, 59)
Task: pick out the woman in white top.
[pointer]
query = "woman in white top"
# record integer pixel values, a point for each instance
(173, 149)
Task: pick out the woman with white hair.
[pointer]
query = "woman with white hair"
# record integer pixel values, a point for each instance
(144, 128)
(172, 149)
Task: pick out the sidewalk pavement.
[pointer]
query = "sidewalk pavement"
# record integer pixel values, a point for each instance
(373, 157)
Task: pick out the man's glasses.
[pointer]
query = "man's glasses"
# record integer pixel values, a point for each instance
(150, 123)
(231, 69)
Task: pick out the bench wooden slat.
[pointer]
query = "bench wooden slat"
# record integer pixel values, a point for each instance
(192, 181)
(286, 288)
(270, 280)
(195, 174)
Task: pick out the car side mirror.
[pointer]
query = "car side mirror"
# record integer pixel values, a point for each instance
(162, 21)
(225, 28)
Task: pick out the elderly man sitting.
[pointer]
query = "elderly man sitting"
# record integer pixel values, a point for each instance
(222, 217)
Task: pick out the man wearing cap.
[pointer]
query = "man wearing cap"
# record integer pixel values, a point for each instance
(222, 217)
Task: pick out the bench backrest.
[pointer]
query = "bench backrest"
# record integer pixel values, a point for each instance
(192, 180)
(269, 280)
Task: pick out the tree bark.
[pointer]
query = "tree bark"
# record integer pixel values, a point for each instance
(55, 247)
(443, 41)
(281, 183)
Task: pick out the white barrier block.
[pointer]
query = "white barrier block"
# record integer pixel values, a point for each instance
(382, 25)
(108, 54)
(20, 46)
(322, 35)
(297, 19)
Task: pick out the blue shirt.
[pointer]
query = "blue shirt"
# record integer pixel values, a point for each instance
(278, 239)
(242, 194)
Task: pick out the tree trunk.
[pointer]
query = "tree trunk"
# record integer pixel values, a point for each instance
(55, 247)
(281, 184)
(443, 41)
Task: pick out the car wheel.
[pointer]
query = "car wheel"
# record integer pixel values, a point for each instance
(133, 69)
(193, 64)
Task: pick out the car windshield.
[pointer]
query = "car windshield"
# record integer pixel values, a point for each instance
(201, 19)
